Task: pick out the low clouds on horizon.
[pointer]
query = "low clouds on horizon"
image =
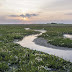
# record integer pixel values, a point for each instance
(26, 15)
(35, 11)
(4, 19)
(68, 14)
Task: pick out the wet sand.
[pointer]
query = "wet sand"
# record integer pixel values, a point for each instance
(43, 42)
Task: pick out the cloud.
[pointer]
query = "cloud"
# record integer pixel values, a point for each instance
(0, 5)
(57, 5)
(4, 20)
(2, 2)
(22, 15)
(68, 14)
(14, 16)
(30, 15)
(8, 20)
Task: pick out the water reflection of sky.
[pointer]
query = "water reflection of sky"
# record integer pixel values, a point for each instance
(28, 42)
(67, 36)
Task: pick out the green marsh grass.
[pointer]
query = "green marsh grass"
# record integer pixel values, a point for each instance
(14, 58)
(54, 35)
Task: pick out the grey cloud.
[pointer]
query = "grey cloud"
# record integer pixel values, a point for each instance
(13, 15)
(34, 14)
(63, 2)
(22, 15)
(30, 15)
(4, 20)
(68, 14)
(59, 5)
(26, 15)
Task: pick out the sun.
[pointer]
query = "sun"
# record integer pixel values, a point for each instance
(25, 18)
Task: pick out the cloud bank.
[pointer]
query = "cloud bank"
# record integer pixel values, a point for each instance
(4, 20)
(26, 15)
(58, 5)
(68, 14)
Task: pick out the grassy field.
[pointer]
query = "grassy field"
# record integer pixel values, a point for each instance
(14, 58)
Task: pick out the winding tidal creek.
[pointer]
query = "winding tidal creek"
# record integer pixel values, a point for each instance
(28, 42)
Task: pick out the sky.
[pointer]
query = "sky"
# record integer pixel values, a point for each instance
(35, 11)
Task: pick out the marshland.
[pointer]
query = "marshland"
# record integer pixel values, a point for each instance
(36, 48)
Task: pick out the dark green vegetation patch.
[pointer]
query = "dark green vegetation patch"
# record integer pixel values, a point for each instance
(54, 35)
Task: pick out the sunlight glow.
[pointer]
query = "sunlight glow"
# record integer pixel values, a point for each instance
(25, 18)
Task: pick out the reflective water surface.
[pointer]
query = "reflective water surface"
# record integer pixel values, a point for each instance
(26, 28)
(28, 42)
(67, 36)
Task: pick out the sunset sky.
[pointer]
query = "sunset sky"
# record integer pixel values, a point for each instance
(35, 11)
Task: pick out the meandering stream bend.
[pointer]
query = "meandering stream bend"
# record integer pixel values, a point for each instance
(28, 42)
